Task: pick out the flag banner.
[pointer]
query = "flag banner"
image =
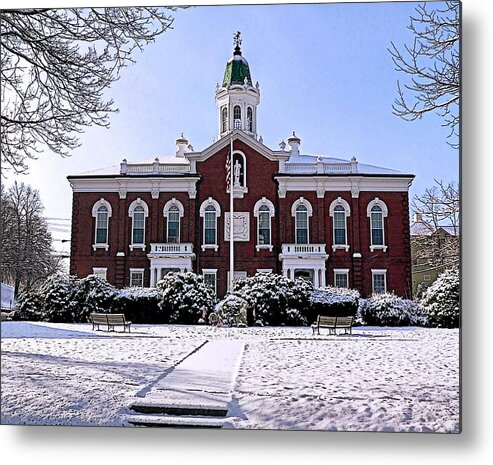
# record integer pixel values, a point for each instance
(228, 170)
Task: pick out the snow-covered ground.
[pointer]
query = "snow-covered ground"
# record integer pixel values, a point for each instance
(378, 379)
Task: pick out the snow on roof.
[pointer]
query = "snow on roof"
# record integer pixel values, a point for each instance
(422, 228)
(362, 167)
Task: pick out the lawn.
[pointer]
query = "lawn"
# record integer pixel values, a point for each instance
(378, 379)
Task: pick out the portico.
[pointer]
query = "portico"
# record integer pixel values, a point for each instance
(304, 260)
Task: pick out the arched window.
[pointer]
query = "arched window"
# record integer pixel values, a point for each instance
(101, 212)
(377, 211)
(138, 225)
(102, 225)
(301, 210)
(210, 225)
(237, 117)
(210, 211)
(138, 211)
(264, 211)
(301, 224)
(224, 119)
(339, 211)
(173, 211)
(173, 233)
(250, 119)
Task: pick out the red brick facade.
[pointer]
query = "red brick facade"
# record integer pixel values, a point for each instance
(264, 177)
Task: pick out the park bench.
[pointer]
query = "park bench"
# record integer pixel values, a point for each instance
(332, 323)
(110, 320)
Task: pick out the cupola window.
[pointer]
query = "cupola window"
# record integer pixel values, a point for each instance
(237, 116)
(224, 119)
(250, 119)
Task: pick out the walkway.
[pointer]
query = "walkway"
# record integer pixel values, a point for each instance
(197, 393)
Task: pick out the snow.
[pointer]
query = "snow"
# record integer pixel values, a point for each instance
(379, 379)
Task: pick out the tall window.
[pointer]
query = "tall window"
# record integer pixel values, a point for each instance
(138, 225)
(101, 212)
(237, 116)
(341, 278)
(301, 221)
(340, 236)
(102, 225)
(136, 277)
(250, 119)
(376, 212)
(210, 225)
(376, 219)
(264, 225)
(224, 119)
(173, 224)
(210, 278)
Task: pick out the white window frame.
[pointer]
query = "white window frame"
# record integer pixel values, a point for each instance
(101, 272)
(347, 212)
(235, 120)
(101, 203)
(181, 212)
(139, 271)
(341, 271)
(426, 277)
(385, 213)
(224, 119)
(205, 204)
(211, 272)
(138, 202)
(256, 213)
(264, 270)
(238, 275)
(248, 120)
(309, 210)
(379, 273)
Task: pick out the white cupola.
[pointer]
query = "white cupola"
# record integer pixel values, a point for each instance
(237, 99)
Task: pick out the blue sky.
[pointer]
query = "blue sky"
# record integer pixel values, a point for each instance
(324, 71)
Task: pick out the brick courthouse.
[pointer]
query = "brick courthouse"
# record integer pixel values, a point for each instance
(333, 221)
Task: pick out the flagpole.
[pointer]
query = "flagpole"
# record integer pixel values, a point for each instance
(231, 239)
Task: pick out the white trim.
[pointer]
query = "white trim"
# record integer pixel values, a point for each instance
(341, 271)
(213, 272)
(256, 213)
(137, 270)
(347, 212)
(205, 204)
(101, 203)
(131, 211)
(98, 271)
(181, 211)
(378, 272)
(380, 203)
(171, 203)
(309, 213)
(264, 270)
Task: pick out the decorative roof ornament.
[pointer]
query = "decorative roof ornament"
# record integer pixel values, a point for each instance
(237, 43)
(282, 145)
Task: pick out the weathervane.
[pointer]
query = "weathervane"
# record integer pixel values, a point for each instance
(237, 38)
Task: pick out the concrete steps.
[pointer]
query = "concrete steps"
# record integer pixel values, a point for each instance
(196, 394)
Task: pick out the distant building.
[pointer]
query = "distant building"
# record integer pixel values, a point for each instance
(8, 298)
(333, 221)
(432, 250)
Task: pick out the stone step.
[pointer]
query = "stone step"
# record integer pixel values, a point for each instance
(170, 421)
(177, 409)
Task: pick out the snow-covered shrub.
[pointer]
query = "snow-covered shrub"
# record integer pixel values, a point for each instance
(185, 298)
(387, 309)
(233, 310)
(442, 300)
(53, 301)
(139, 305)
(93, 294)
(333, 301)
(421, 290)
(274, 299)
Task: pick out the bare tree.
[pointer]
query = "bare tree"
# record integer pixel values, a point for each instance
(26, 247)
(55, 66)
(436, 239)
(433, 63)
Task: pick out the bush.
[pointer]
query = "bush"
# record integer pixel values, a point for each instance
(185, 298)
(140, 305)
(275, 299)
(333, 301)
(442, 300)
(390, 310)
(53, 301)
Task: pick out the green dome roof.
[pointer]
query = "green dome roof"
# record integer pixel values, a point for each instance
(237, 70)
